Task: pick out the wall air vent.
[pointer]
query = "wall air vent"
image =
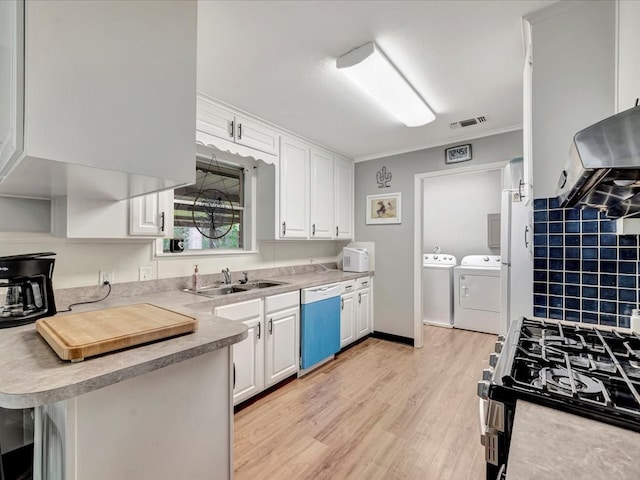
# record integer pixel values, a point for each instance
(469, 122)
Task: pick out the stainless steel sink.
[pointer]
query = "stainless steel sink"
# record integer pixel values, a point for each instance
(217, 290)
(262, 284)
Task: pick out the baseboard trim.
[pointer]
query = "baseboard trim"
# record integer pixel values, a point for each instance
(393, 338)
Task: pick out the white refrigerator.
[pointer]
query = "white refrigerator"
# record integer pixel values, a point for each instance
(516, 256)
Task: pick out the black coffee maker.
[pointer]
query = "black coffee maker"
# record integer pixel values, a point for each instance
(26, 290)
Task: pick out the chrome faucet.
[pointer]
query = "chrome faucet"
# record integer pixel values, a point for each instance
(227, 276)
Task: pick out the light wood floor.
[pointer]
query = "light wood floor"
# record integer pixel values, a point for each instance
(381, 410)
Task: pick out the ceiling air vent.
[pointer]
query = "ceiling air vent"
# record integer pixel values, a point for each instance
(469, 122)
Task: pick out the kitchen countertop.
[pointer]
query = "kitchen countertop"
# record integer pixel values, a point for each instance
(549, 444)
(34, 375)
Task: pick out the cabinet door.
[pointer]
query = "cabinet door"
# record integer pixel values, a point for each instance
(255, 135)
(248, 362)
(363, 308)
(152, 215)
(294, 186)
(213, 119)
(110, 94)
(321, 197)
(343, 198)
(347, 319)
(11, 83)
(282, 345)
(527, 146)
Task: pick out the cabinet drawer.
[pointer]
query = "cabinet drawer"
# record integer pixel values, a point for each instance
(284, 300)
(348, 287)
(364, 282)
(240, 311)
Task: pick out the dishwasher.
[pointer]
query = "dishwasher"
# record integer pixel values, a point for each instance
(320, 324)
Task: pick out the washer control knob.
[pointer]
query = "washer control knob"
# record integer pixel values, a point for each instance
(493, 359)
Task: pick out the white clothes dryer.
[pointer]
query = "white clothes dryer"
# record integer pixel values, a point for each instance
(477, 294)
(437, 289)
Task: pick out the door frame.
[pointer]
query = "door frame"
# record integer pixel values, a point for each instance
(418, 198)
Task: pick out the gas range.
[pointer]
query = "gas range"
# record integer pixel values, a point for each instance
(576, 368)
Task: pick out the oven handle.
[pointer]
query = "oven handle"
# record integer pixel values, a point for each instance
(483, 406)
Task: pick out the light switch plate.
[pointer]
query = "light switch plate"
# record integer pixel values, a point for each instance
(144, 273)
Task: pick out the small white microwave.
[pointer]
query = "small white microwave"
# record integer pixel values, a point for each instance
(355, 259)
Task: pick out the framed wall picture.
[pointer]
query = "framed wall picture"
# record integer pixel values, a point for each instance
(460, 153)
(384, 208)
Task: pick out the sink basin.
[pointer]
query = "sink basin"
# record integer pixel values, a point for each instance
(221, 290)
(262, 284)
(217, 290)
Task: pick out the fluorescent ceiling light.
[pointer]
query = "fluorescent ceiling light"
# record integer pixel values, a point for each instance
(372, 71)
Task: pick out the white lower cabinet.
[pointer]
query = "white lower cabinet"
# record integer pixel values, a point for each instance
(347, 314)
(282, 358)
(270, 353)
(248, 362)
(364, 318)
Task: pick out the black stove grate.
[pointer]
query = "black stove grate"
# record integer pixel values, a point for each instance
(578, 369)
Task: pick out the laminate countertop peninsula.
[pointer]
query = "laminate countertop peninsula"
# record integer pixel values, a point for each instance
(33, 375)
(549, 444)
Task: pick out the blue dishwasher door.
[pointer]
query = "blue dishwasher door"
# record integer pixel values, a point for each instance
(320, 330)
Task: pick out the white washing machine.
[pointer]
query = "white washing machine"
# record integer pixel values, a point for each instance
(437, 289)
(476, 293)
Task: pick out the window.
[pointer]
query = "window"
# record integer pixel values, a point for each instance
(211, 213)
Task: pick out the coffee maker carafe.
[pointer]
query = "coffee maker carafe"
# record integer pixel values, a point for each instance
(26, 290)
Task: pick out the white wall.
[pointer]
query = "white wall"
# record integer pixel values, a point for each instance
(79, 261)
(455, 212)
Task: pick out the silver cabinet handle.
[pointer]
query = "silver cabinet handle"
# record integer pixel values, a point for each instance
(342, 304)
(270, 326)
(284, 228)
(239, 131)
(336, 230)
(259, 331)
(313, 230)
(526, 236)
(234, 375)
(360, 298)
(231, 127)
(162, 222)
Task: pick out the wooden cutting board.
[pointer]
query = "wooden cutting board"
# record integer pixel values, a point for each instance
(80, 335)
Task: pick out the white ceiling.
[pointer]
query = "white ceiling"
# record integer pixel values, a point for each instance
(276, 60)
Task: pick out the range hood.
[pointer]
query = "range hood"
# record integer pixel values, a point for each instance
(603, 170)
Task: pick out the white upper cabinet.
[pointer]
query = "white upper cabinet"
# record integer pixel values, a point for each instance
(314, 190)
(321, 194)
(213, 119)
(11, 83)
(628, 54)
(293, 189)
(104, 95)
(152, 215)
(573, 81)
(343, 187)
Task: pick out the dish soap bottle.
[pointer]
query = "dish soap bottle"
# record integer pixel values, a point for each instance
(195, 279)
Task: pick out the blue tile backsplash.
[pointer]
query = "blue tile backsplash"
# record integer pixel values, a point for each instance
(582, 270)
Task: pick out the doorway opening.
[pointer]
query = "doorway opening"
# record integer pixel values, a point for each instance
(451, 216)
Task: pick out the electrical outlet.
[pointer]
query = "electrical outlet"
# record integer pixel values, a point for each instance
(105, 276)
(144, 273)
